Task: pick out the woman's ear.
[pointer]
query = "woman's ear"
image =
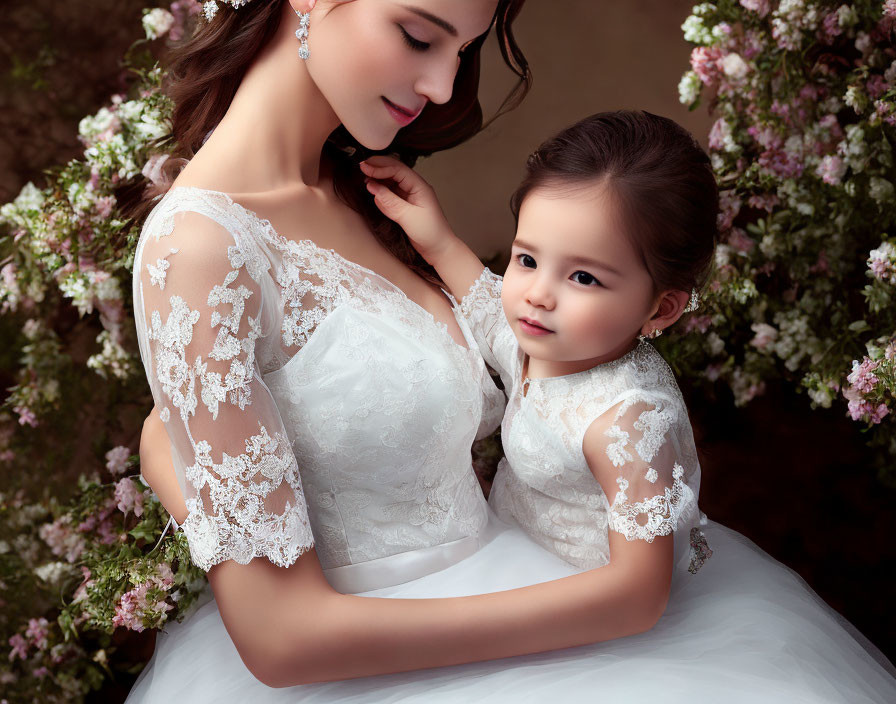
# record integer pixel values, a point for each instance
(669, 308)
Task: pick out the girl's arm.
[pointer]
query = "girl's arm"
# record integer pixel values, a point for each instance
(413, 204)
(290, 627)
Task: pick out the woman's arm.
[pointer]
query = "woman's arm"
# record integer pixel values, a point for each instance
(290, 627)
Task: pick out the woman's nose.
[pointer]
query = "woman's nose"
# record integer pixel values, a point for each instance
(437, 82)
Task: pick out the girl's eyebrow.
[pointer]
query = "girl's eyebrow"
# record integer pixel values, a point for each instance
(438, 21)
(574, 260)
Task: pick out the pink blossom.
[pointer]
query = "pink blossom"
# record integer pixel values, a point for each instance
(41, 672)
(876, 86)
(830, 28)
(890, 9)
(153, 170)
(765, 335)
(37, 631)
(63, 541)
(117, 459)
(861, 377)
(831, 169)
(134, 606)
(104, 206)
(781, 163)
(760, 7)
(701, 323)
(763, 201)
(706, 62)
(19, 647)
(26, 416)
(129, 497)
(865, 410)
(182, 10)
(729, 207)
(740, 240)
(81, 592)
(713, 372)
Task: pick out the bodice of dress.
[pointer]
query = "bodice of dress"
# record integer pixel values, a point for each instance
(308, 400)
(545, 484)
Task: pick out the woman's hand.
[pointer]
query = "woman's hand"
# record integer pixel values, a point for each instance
(412, 203)
(156, 467)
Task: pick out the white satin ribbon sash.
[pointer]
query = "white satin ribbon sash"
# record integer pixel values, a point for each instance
(397, 569)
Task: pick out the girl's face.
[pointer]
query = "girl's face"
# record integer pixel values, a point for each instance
(379, 62)
(576, 292)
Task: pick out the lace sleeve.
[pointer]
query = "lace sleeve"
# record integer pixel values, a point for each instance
(482, 310)
(647, 480)
(201, 295)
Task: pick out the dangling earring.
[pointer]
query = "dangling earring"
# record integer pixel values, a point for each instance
(652, 335)
(302, 32)
(694, 302)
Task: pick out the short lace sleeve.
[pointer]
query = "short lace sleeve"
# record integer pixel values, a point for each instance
(482, 310)
(202, 300)
(655, 483)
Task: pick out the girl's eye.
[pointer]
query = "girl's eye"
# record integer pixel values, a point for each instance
(526, 260)
(584, 278)
(412, 42)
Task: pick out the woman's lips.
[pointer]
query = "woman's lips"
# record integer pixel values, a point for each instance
(402, 115)
(532, 327)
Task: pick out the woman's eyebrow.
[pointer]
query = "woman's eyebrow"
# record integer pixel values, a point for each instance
(438, 21)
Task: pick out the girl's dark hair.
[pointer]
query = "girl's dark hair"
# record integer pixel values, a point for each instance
(658, 176)
(205, 72)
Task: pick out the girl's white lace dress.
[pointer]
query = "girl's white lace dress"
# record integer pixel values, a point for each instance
(310, 402)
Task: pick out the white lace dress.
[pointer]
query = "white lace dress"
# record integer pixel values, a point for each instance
(310, 402)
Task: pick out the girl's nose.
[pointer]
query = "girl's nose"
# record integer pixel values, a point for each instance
(437, 82)
(539, 294)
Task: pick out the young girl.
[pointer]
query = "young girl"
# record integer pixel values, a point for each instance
(615, 230)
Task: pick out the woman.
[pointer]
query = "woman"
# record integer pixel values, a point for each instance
(286, 329)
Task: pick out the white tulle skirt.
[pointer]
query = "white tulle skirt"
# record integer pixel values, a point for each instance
(745, 628)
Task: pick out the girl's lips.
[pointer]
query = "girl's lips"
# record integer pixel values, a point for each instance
(532, 328)
(402, 115)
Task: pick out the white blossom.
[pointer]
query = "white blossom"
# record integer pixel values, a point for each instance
(157, 22)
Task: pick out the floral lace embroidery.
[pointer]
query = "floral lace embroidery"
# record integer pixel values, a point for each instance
(172, 370)
(546, 485)
(616, 450)
(159, 271)
(373, 486)
(661, 511)
(700, 551)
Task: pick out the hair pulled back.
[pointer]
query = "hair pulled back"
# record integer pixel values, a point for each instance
(205, 71)
(657, 175)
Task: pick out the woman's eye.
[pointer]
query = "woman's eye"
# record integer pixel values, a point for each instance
(584, 278)
(412, 42)
(526, 260)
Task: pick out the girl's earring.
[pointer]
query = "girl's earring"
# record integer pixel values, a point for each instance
(652, 335)
(302, 32)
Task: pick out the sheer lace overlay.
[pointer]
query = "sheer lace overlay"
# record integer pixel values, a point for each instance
(545, 484)
(308, 400)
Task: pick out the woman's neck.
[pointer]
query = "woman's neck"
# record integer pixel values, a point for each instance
(274, 131)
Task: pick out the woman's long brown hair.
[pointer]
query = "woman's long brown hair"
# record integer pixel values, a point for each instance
(205, 71)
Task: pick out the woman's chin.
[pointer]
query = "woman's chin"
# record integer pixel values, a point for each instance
(371, 138)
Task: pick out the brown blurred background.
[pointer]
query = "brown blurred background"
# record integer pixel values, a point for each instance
(797, 482)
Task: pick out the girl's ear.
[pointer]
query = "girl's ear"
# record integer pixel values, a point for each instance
(669, 308)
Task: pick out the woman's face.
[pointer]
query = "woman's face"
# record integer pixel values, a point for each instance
(379, 62)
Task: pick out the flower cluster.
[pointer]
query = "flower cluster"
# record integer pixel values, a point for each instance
(107, 556)
(804, 98)
(74, 573)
